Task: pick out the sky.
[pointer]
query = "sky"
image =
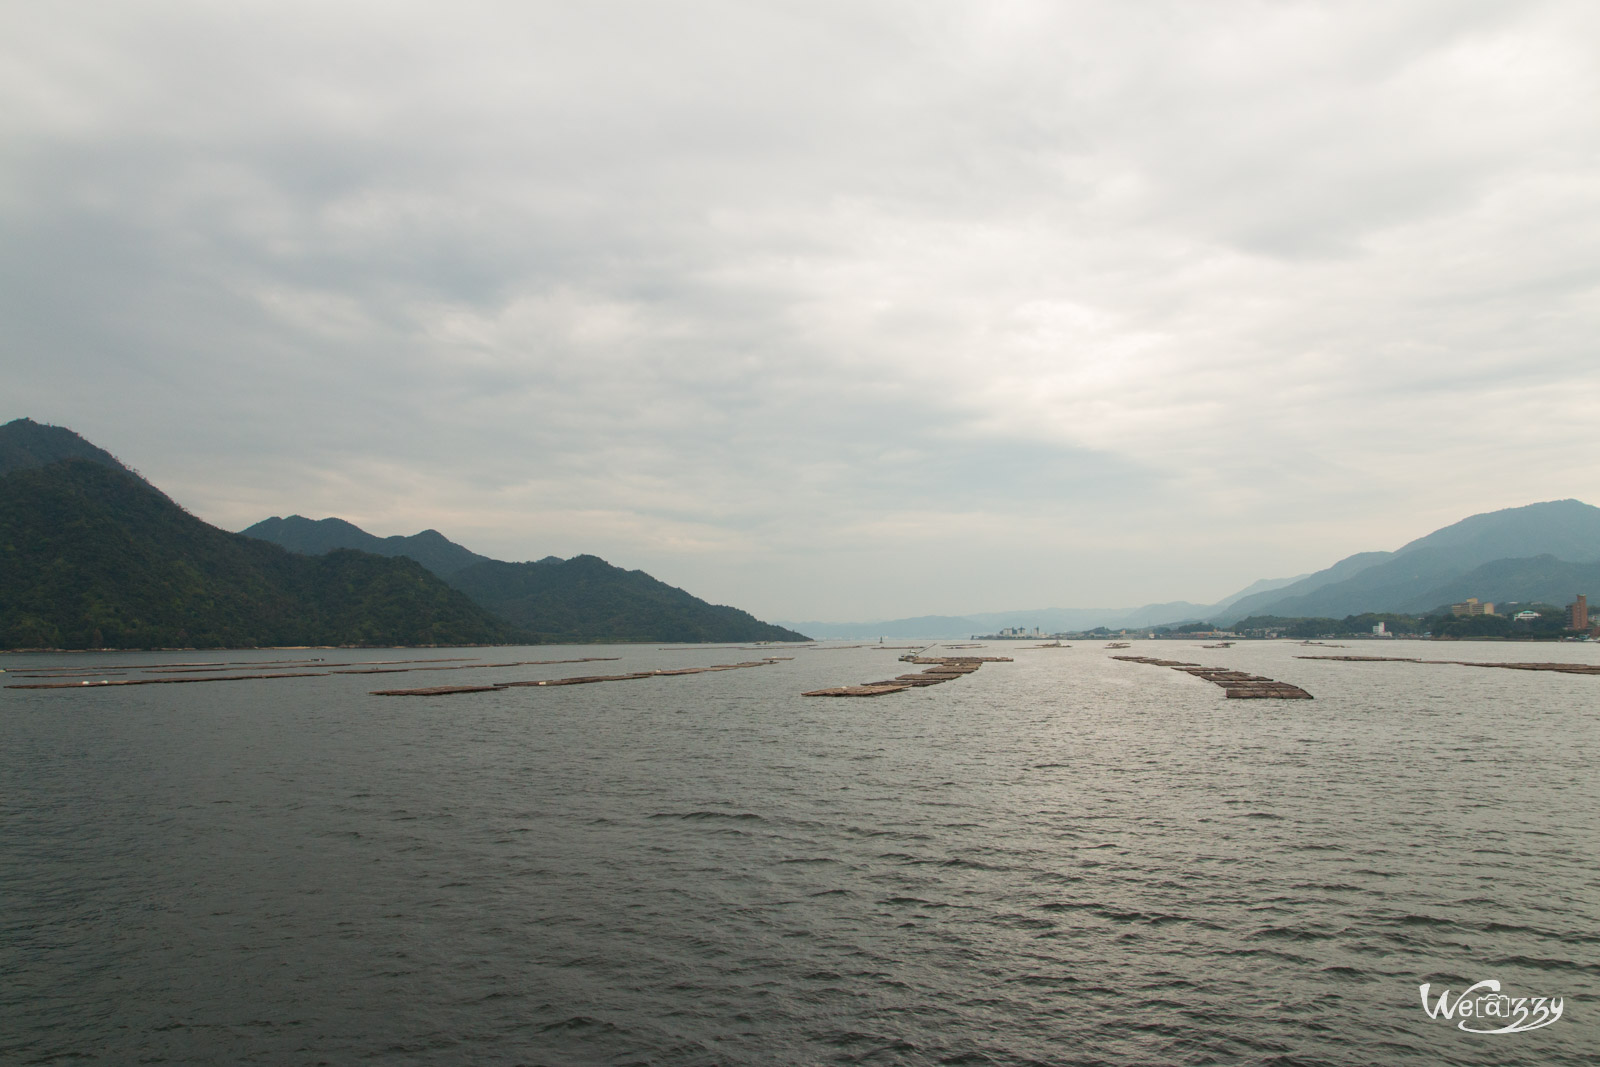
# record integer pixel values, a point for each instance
(830, 311)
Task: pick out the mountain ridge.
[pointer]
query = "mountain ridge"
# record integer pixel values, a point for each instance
(1421, 573)
(1525, 553)
(585, 599)
(313, 537)
(28, 445)
(94, 557)
(579, 600)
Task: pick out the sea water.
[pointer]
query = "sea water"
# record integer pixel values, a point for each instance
(1065, 859)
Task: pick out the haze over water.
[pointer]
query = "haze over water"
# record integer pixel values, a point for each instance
(1064, 859)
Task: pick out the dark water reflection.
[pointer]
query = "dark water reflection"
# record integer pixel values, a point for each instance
(1064, 859)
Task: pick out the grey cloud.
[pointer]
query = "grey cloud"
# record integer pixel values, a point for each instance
(716, 289)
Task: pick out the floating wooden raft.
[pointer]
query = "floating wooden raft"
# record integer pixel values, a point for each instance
(446, 690)
(1236, 684)
(943, 669)
(878, 690)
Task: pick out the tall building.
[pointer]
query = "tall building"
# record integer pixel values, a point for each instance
(1578, 613)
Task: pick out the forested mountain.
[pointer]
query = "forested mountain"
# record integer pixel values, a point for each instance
(1540, 579)
(582, 599)
(91, 556)
(1538, 553)
(25, 444)
(316, 536)
(585, 599)
(1438, 568)
(1256, 603)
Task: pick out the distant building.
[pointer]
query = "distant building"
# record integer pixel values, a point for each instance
(1578, 613)
(1472, 607)
(1525, 616)
(1380, 630)
(1013, 633)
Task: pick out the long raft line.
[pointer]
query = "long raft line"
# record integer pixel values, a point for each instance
(211, 665)
(299, 674)
(86, 684)
(588, 679)
(1237, 684)
(1562, 668)
(944, 669)
(273, 665)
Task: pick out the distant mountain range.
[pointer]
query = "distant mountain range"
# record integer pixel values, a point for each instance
(1049, 620)
(1538, 553)
(575, 600)
(91, 555)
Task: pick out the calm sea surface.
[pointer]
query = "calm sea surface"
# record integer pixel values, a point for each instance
(1061, 860)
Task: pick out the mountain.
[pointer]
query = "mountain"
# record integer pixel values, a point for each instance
(25, 445)
(1566, 529)
(313, 537)
(1421, 574)
(1535, 580)
(92, 556)
(1537, 553)
(579, 600)
(585, 599)
(1263, 585)
(1257, 603)
(1048, 620)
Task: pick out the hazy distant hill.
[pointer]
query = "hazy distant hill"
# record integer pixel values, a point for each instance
(1537, 553)
(316, 536)
(922, 626)
(1566, 529)
(1048, 620)
(1262, 585)
(577, 600)
(91, 556)
(25, 444)
(1422, 574)
(1257, 603)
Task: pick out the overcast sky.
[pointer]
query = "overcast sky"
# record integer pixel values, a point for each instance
(833, 311)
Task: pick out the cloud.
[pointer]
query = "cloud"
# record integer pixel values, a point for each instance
(794, 305)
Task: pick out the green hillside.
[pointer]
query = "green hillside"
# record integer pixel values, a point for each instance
(90, 556)
(583, 599)
(25, 444)
(1538, 579)
(586, 599)
(1435, 569)
(315, 536)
